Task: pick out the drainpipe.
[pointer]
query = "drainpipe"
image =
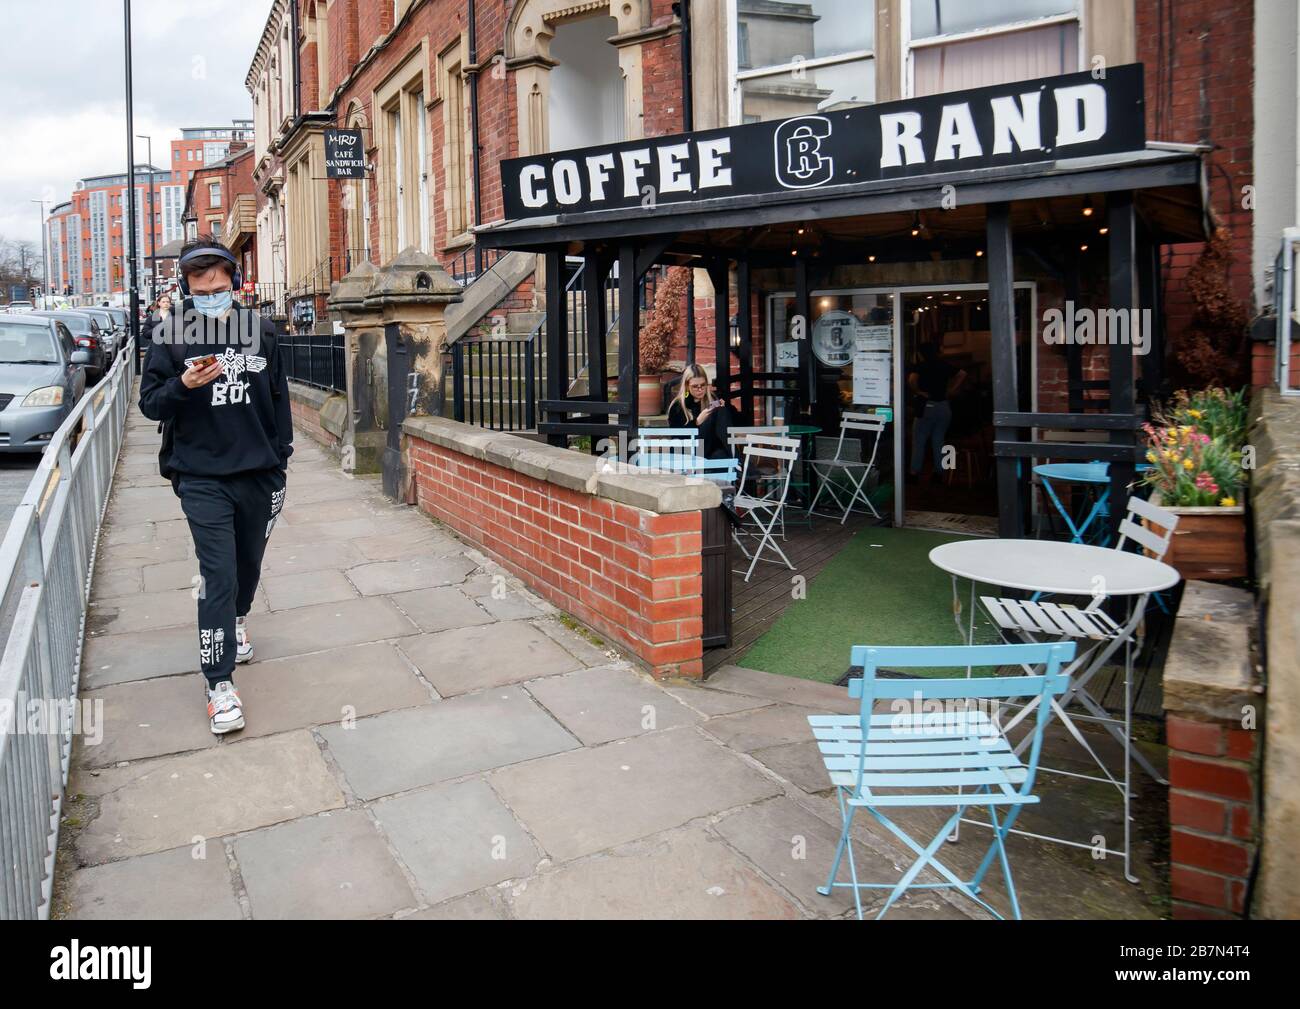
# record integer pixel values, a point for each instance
(683, 11)
(297, 74)
(473, 130)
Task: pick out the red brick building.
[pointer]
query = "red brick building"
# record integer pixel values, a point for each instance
(87, 238)
(219, 201)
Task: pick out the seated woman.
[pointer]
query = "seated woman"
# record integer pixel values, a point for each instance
(695, 405)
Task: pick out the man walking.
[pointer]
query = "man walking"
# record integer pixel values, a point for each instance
(213, 376)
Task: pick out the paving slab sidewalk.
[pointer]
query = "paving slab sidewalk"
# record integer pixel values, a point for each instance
(426, 739)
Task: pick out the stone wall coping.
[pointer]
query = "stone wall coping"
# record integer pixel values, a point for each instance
(662, 494)
(309, 395)
(1210, 669)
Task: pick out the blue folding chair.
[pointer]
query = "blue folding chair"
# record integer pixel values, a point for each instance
(922, 754)
(666, 448)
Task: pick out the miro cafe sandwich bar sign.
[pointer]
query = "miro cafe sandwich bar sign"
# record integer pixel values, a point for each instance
(1070, 116)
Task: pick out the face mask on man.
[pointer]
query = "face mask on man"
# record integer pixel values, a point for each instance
(213, 305)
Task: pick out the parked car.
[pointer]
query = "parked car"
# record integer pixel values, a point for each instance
(18, 307)
(42, 376)
(89, 337)
(108, 327)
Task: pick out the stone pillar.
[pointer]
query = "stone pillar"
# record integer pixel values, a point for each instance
(364, 435)
(411, 294)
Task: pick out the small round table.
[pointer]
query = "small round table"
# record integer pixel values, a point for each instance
(1093, 474)
(807, 452)
(1049, 566)
(1071, 569)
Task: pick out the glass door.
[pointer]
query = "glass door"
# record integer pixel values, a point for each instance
(945, 402)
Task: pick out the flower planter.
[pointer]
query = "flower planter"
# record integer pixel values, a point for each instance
(1209, 543)
(650, 396)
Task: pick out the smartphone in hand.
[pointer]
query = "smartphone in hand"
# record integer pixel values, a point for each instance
(202, 361)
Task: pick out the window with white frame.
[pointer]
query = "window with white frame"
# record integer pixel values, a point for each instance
(955, 44)
(404, 161)
(214, 194)
(798, 58)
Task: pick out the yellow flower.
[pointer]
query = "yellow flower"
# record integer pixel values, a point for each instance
(1186, 428)
(1188, 464)
(1151, 457)
(1228, 502)
(1194, 413)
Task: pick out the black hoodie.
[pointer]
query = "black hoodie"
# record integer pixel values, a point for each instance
(237, 424)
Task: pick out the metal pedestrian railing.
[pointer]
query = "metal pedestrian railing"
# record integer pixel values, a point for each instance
(46, 560)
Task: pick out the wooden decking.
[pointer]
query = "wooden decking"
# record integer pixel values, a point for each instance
(758, 602)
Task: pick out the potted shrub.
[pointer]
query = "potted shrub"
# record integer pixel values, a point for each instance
(1194, 449)
(657, 338)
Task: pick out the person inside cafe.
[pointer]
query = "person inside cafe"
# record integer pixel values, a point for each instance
(933, 382)
(697, 405)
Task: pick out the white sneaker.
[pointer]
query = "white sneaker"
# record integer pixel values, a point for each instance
(224, 708)
(243, 647)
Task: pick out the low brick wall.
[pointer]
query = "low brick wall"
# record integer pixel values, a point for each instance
(618, 551)
(1214, 727)
(312, 409)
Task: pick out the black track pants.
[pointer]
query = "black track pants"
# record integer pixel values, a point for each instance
(230, 519)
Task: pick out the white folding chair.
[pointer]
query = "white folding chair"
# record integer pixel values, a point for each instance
(667, 449)
(1098, 636)
(826, 470)
(765, 511)
(764, 474)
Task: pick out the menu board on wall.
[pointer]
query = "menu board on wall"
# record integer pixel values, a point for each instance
(871, 378)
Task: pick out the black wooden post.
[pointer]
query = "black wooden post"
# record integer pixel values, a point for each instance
(721, 277)
(807, 362)
(1075, 392)
(1006, 398)
(557, 378)
(1123, 297)
(1146, 281)
(594, 264)
(629, 339)
(745, 352)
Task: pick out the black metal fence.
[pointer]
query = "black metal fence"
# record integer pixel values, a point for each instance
(494, 382)
(316, 359)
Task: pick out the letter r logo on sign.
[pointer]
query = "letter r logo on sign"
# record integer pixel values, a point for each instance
(799, 161)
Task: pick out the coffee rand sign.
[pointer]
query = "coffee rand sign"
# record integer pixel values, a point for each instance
(1071, 116)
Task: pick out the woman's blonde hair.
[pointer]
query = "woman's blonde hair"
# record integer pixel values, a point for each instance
(692, 372)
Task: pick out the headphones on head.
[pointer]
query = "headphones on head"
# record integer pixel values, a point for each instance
(236, 280)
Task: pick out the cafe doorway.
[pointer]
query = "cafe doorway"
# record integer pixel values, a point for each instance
(885, 329)
(945, 404)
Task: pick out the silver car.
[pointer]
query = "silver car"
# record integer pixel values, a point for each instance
(108, 327)
(42, 376)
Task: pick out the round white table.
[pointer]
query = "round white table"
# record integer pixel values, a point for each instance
(1069, 569)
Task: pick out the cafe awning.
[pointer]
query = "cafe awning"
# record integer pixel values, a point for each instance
(1031, 165)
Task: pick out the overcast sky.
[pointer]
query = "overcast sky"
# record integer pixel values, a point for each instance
(63, 87)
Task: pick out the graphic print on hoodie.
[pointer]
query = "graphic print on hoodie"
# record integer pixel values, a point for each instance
(239, 423)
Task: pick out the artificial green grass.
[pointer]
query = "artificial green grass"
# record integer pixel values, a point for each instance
(881, 589)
